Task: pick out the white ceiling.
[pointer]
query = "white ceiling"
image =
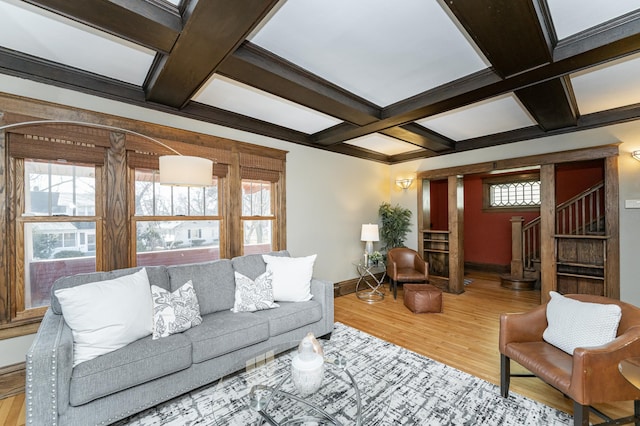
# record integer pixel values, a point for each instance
(32, 30)
(233, 96)
(373, 48)
(572, 16)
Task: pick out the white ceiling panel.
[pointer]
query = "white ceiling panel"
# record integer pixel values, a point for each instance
(380, 50)
(382, 144)
(608, 86)
(48, 36)
(494, 115)
(572, 16)
(231, 95)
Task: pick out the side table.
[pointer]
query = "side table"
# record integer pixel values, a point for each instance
(369, 287)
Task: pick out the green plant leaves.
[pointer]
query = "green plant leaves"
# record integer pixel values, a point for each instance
(396, 223)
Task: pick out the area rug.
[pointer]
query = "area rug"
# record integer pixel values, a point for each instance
(397, 387)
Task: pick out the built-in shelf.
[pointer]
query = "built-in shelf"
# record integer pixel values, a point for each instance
(581, 263)
(436, 254)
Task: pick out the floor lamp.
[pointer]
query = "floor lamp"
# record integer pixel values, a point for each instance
(176, 170)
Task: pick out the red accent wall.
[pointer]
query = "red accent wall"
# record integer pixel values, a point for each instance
(573, 178)
(439, 205)
(487, 235)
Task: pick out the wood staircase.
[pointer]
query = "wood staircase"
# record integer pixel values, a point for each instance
(580, 230)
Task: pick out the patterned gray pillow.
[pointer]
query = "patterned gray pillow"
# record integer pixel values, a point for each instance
(174, 312)
(253, 295)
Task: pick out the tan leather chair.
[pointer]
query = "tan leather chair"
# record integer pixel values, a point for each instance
(405, 266)
(590, 376)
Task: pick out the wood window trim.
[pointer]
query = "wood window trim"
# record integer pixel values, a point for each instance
(227, 154)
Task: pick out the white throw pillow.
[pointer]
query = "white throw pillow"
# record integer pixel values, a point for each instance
(107, 315)
(253, 295)
(174, 312)
(291, 277)
(575, 324)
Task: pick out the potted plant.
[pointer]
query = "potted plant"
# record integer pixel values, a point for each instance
(396, 223)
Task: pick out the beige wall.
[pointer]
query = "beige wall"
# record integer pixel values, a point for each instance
(329, 196)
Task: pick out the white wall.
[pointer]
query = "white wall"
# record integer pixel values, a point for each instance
(329, 196)
(629, 173)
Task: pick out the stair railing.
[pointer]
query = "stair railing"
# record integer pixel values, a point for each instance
(582, 214)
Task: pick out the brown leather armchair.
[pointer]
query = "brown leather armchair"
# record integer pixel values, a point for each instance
(405, 266)
(590, 376)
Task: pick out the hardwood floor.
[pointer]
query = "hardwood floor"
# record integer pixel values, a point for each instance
(464, 336)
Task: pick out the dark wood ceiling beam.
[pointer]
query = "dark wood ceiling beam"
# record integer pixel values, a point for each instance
(551, 103)
(585, 122)
(420, 136)
(355, 151)
(233, 120)
(621, 28)
(620, 47)
(413, 155)
(26, 66)
(213, 29)
(256, 67)
(150, 24)
(507, 32)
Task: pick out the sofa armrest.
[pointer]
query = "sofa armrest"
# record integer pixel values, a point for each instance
(323, 292)
(523, 327)
(49, 363)
(595, 375)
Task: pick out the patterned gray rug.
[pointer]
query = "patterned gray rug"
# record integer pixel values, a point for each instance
(397, 387)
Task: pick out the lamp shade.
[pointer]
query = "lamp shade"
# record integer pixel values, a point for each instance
(369, 233)
(185, 170)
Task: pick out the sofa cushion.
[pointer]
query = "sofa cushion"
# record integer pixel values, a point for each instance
(291, 315)
(213, 282)
(291, 277)
(107, 315)
(253, 295)
(139, 362)
(253, 265)
(174, 312)
(576, 324)
(157, 275)
(224, 332)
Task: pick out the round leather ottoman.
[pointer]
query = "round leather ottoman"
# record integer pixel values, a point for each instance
(422, 298)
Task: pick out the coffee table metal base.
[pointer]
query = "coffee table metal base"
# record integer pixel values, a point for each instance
(261, 396)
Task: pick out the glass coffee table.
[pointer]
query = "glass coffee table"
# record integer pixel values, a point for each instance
(264, 393)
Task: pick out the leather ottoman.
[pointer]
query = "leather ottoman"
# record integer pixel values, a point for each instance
(421, 298)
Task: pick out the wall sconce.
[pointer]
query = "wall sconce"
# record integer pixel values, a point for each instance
(404, 183)
(636, 155)
(175, 170)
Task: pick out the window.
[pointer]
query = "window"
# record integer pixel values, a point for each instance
(257, 216)
(512, 192)
(175, 225)
(57, 220)
(82, 199)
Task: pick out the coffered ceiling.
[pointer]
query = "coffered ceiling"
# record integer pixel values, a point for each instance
(388, 81)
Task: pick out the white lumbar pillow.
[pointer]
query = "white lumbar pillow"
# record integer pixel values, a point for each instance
(575, 324)
(291, 277)
(107, 315)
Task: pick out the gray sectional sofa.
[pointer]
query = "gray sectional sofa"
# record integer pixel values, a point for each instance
(146, 372)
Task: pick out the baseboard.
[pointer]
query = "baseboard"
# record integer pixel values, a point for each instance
(344, 287)
(487, 268)
(12, 380)
(348, 286)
